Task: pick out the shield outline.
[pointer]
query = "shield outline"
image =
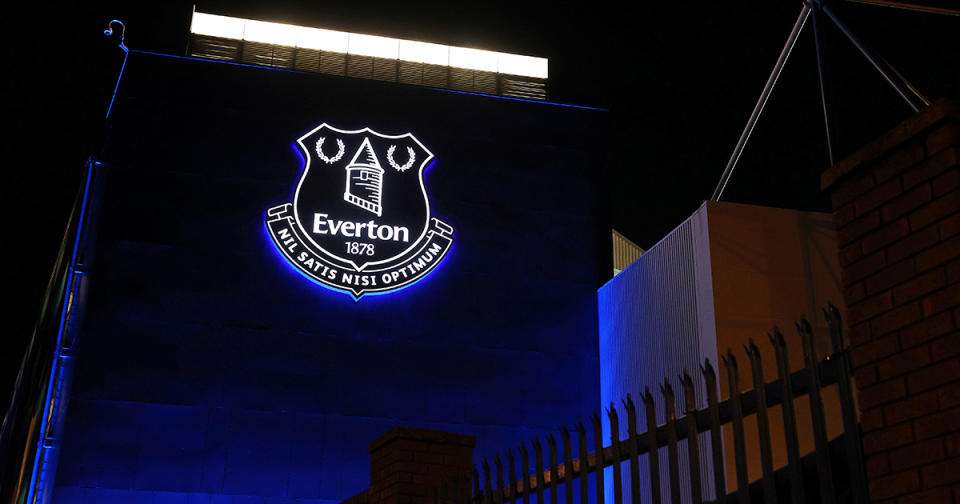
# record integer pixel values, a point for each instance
(306, 169)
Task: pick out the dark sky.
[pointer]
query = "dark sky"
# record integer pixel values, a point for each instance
(679, 79)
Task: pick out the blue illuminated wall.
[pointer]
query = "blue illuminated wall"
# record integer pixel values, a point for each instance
(657, 319)
(210, 371)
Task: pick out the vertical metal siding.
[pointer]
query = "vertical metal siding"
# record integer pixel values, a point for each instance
(656, 319)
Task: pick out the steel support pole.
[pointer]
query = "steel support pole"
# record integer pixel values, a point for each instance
(818, 45)
(764, 96)
(906, 91)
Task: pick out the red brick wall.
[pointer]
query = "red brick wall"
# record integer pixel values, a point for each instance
(407, 464)
(897, 209)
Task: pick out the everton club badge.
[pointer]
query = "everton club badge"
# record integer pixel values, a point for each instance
(360, 218)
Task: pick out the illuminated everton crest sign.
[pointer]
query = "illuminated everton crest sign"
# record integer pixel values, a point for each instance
(360, 217)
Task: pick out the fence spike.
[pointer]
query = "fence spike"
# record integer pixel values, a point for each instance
(740, 454)
(768, 482)
(584, 462)
(525, 472)
(693, 447)
(617, 455)
(511, 475)
(554, 471)
(653, 457)
(844, 387)
(716, 443)
(477, 494)
(538, 456)
(824, 470)
(632, 449)
(794, 464)
(488, 490)
(499, 494)
(673, 458)
(598, 449)
(567, 465)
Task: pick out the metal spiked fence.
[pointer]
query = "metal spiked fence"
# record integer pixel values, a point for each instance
(833, 472)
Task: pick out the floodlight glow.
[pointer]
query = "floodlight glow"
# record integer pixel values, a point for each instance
(217, 26)
(322, 40)
(423, 52)
(473, 59)
(527, 66)
(367, 45)
(270, 33)
(372, 45)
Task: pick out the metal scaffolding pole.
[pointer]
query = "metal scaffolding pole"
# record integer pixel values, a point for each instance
(818, 45)
(764, 96)
(910, 95)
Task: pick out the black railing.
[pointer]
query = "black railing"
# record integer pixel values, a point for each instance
(29, 433)
(801, 486)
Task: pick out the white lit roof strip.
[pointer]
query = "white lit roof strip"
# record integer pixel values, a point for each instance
(367, 45)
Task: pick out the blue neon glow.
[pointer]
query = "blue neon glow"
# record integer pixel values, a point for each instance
(283, 258)
(126, 54)
(39, 475)
(499, 97)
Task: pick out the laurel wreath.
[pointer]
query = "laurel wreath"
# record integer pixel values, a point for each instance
(406, 166)
(334, 159)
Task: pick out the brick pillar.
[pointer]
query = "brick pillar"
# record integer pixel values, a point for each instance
(897, 209)
(407, 464)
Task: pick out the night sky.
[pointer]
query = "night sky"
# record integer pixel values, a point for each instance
(679, 79)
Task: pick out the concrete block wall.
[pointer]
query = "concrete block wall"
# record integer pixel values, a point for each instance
(896, 205)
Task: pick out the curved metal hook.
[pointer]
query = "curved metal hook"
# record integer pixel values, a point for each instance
(111, 31)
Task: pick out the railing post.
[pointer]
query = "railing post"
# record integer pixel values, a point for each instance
(716, 440)
(598, 450)
(538, 457)
(512, 476)
(693, 449)
(567, 465)
(794, 464)
(632, 449)
(824, 469)
(739, 449)
(650, 409)
(500, 495)
(525, 472)
(769, 484)
(584, 463)
(615, 443)
(673, 457)
(851, 430)
(554, 476)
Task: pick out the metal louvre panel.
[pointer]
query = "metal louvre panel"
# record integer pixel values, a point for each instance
(367, 67)
(485, 82)
(307, 60)
(215, 48)
(409, 72)
(360, 66)
(270, 55)
(384, 69)
(522, 87)
(461, 79)
(333, 63)
(436, 75)
(624, 251)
